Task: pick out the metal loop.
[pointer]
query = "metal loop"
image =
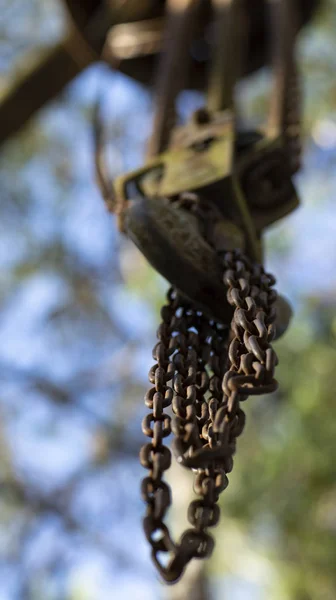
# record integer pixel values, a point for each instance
(196, 544)
(157, 534)
(157, 495)
(150, 418)
(202, 516)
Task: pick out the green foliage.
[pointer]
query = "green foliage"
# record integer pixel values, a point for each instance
(279, 515)
(283, 488)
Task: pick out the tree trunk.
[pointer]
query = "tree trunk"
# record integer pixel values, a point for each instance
(194, 584)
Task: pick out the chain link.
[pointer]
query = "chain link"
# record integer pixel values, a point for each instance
(203, 371)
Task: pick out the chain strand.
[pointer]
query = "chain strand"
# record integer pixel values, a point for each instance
(203, 378)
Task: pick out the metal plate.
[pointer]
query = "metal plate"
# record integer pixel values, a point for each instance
(191, 170)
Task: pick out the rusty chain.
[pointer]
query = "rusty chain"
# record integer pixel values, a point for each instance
(203, 371)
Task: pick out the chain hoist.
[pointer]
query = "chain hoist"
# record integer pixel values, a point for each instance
(197, 211)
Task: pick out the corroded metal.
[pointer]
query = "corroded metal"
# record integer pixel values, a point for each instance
(205, 369)
(169, 238)
(197, 211)
(172, 71)
(204, 373)
(243, 184)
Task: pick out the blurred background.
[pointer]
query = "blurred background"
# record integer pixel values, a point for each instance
(78, 314)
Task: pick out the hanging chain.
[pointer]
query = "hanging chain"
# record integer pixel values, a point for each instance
(204, 371)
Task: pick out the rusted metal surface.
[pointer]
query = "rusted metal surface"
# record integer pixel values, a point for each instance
(249, 179)
(181, 17)
(204, 372)
(230, 38)
(285, 106)
(197, 212)
(205, 369)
